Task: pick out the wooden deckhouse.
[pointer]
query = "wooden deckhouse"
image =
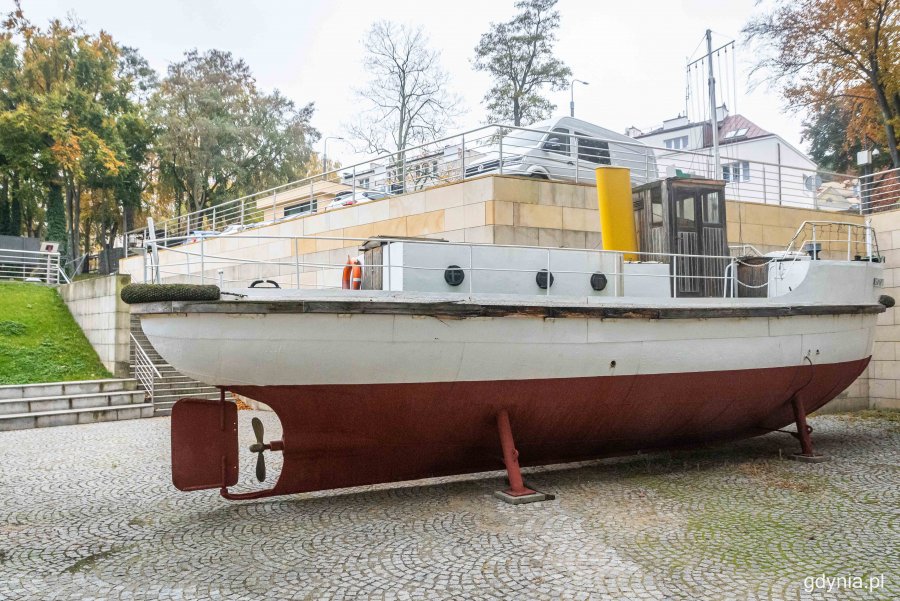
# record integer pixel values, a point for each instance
(685, 215)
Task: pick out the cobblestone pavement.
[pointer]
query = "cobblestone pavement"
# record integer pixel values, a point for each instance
(88, 512)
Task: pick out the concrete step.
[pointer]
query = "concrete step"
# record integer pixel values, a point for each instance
(71, 417)
(47, 389)
(166, 387)
(158, 362)
(162, 367)
(163, 405)
(180, 380)
(175, 378)
(179, 392)
(183, 394)
(34, 405)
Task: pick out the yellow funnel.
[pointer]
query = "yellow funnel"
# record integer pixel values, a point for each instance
(616, 210)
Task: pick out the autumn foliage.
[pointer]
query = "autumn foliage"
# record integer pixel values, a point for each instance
(92, 139)
(823, 53)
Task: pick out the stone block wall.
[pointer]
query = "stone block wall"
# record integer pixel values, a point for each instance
(884, 370)
(105, 319)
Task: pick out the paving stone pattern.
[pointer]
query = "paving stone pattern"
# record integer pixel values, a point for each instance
(88, 512)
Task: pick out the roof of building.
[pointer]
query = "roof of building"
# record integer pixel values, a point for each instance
(738, 127)
(733, 128)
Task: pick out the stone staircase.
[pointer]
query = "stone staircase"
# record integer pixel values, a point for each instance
(170, 385)
(69, 403)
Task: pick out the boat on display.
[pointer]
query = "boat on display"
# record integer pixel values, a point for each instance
(444, 358)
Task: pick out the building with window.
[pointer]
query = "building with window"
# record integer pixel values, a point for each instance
(755, 163)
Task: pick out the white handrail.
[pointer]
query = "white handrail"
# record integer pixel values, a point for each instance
(30, 265)
(144, 370)
(879, 191)
(865, 238)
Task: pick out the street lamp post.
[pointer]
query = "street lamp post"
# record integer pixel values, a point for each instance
(325, 152)
(572, 95)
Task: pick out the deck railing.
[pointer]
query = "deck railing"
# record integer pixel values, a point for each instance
(220, 261)
(506, 150)
(836, 239)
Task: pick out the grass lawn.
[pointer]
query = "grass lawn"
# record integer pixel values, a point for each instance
(39, 339)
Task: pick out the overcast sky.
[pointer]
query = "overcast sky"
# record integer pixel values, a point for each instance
(631, 52)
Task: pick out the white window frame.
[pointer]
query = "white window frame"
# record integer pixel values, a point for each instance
(679, 143)
(736, 171)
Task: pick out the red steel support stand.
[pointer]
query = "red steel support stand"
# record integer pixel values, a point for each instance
(517, 492)
(807, 453)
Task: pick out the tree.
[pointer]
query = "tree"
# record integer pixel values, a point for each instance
(5, 223)
(8, 92)
(61, 125)
(406, 101)
(834, 133)
(116, 197)
(220, 137)
(518, 54)
(827, 49)
(56, 215)
(15, 206)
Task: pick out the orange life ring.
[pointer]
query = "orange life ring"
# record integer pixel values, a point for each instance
(356, 275)
(345, 275)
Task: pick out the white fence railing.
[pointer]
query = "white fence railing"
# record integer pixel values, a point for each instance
(219, 261)
(31, 266)
(493, 149)
(880, 191)
(145, 371)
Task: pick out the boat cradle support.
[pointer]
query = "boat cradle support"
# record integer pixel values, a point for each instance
(517, 493)
(803, 434)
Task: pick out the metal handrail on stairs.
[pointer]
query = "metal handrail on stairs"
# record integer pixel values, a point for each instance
(144, 370)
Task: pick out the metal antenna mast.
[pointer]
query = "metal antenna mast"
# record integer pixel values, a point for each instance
(713, 118)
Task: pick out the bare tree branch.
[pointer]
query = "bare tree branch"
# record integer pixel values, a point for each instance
(407, 98)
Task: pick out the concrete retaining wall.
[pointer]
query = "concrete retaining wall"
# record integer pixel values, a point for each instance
(884, 371)
(97, 308)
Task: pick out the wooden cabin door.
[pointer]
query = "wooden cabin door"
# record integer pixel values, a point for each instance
(713, 241)
(698, 229)
(686, 235)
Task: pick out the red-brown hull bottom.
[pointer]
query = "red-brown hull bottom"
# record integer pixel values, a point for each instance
(340, 436)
